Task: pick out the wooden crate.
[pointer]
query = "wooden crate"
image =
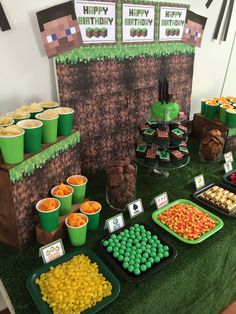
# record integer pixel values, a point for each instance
(22, 185)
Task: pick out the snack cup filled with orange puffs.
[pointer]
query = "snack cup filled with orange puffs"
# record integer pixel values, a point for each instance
(63, 193)
(78, 182)
(91, 209)
(48, 210)
(77, 228)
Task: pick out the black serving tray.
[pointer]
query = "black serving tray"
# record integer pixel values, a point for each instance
(225, 178)
(156, 267)
(219, 210)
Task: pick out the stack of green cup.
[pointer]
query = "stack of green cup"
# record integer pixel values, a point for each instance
(49, 104)
(33, 135)
(18, 116)
(48, 219)
(50, 123)
(65, 121)
(65, 200)
(77, 234)
(6, 121)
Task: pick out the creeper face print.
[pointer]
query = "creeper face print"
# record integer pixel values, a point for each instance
(59, 29)
(193, 29)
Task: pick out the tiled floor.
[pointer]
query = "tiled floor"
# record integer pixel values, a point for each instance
(231, 309)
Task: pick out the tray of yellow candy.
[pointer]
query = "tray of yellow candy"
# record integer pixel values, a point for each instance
(78, 282)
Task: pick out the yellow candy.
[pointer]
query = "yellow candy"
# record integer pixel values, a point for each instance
(61, 285)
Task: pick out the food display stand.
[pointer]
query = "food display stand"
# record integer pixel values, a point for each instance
(22, 185)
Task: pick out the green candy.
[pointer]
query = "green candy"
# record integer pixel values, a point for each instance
(142, 228)
(132, 237)
(116, 241)
(148, 251)
(130, 241)
(110, 240)
(131, 262)
(143, 260)
(151, 260)
(128, 249)
(127, 254)
(126, 231)
(143, 248)
(136, 266)
(154, 237)
(131, 228)
(143, 243)
(121, 251)
(119, 237)
(124, 239)
(148, 265)
(153, 254)
(129, 244)
(143, 267)
(151, 241)
(137, 260)
(137, 271)
(109, 249)
(148, 233)
(123, 243)
(148, 246)
(146, 255)
(120, 258)
(118, 245)
(136, 226)
(116, 254)
(138, 256)
(139, 238)
(116, 249)
(160, 255)
(122, 234)
(160, 250)
(113, 236)
(105, 243)
(166, 254)
(157, 259)
(139, 251)
(132, 257)
(131, 268)
(125, 265)
(138, 245)
(126, 259)
(166, 248)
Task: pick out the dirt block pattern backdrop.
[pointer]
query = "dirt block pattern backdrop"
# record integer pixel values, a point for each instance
(36, 186)
(110, 99)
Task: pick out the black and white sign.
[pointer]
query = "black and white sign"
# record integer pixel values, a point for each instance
(161, 200)
(228, 167)
(199, 181)
(52, 251)
(115, 223)
(228, 157)
(135, 208)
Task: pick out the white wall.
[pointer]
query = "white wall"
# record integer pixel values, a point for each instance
(27, 75)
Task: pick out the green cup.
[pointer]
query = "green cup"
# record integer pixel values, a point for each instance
(10, 122)
(211, 111)
(230, 118)
(94, 218)
(12, 148)
(49, 134)
(79, 190)
(49, 104)
(223, 109)
(77, 235)
(65, 122)
(233, 101)
(48, 219)
(34, 113)
(11, 114)
(203, 105)
(33, 135)
(65, 200)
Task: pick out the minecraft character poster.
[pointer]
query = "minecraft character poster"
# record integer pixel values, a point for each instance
(97, 21)
(193, 29)
(59, 29)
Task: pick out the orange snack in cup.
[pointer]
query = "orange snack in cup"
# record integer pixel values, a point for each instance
(62, 190)
(90, 207)
(75, 220)
(48, 205)
(76, 181)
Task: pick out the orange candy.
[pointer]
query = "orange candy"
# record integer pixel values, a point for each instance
(76, 180)
(90, 207)
(48, 205)
(76, 220)
(62, 190)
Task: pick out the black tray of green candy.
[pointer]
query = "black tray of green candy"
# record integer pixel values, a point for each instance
(136, 251)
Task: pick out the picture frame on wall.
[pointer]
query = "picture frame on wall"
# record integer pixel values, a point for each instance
(171, 22)
(138, 22)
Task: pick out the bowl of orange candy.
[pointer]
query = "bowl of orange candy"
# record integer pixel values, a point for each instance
(77, 228)
(63, 193)
(92, 209)
(78, 182)
(48, 210)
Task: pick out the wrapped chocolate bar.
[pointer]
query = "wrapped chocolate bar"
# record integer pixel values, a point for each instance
(121, 183)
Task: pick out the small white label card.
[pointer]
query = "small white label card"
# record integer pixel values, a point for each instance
(52, 251)
(161, 200)
(228, 157)
(135, 208)
(228, 167)
(114, 223)
(199, 181)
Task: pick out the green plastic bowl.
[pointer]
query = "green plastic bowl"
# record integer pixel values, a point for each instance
(183, 201)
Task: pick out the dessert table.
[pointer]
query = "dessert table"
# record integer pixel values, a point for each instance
(200, 280)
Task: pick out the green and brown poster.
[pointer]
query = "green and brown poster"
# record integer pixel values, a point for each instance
(138, 23)
(97, 21)
(171, 23)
